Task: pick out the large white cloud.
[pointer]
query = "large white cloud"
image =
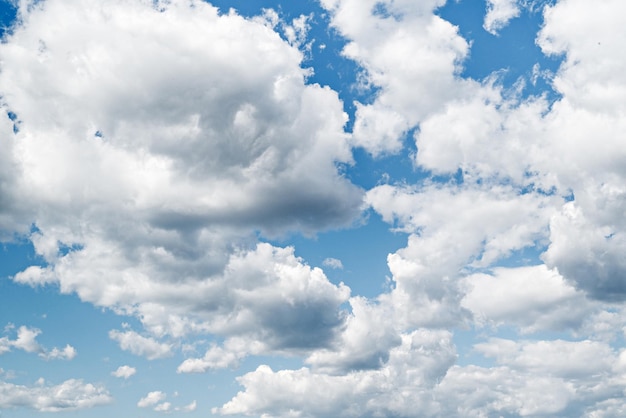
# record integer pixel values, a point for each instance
(156, 139)
(532, 298)
(409, 54)
(453, 228)
(397, 389)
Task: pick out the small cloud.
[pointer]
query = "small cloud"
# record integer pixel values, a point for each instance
(499, 13)
(68, 353)
(140, 345)
(333, 263)
(124, 372)
(163, 407)
(151, 398)
(189, 408)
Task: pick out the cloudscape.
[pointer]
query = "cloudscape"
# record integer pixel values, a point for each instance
(322, 208)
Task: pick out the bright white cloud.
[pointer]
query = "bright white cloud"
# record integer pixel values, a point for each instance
(26, 339)
(565, 359)
(534, 298)
(140, 345)
(398, 44)
(124, 372)
(452, 228)
(151, 399)
(70, 395)
(422, 358)
(499, 13)
(173, 174)
(159, 161)
(216, 357)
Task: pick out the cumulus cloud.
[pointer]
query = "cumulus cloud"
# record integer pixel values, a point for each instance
(452, 228)
(70, 395)
(173, 175)
(534, 298)
(67, 353)
(216, 357)
(151, 399)
(421, 359)
(124, 372)
(140, 345)
(150, 164)
(398, 44)
(26, 339)
(499, 12)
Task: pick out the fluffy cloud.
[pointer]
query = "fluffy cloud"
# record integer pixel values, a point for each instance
(70, 395)
(333, 263)
(124, 372)
(565, 359)
(499, 12)
(395, 389)
(67, 353)
(398, 44)
(452, 228)
(151, 399)
(26, 339)
(150, 169)
(140, 345)
(534, 298)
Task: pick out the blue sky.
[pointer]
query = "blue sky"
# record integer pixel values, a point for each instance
(331, 208)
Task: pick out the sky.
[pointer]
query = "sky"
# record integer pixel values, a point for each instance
(322, 208)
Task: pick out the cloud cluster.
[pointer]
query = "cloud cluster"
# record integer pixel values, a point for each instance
(149, 144)
(70, 395)
(26, 340)
(398, 44)
(520, 173)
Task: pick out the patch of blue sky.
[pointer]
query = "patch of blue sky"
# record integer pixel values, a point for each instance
(362, 251)
(512, 53)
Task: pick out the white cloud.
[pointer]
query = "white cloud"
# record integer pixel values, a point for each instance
(70, 395)
(452, 228)
(333, 263)
(67, 353)
(163, 407)
(499, 13)
(151, 398)
(124, 372)
(27, 340)
(533, 298)
(564, 359)
(397, 388)
(140, 345)
(216, 357)
(189, 408)
(474, 391)
(175, 175)
(398, 44)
